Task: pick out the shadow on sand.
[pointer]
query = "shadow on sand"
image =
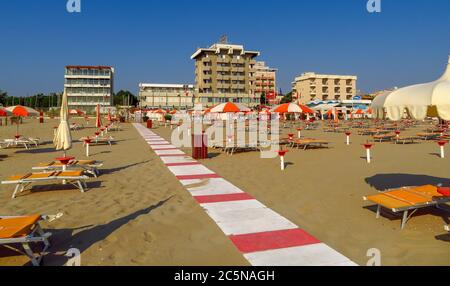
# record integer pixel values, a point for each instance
(118, 169)
(383, 182)
(84, 237)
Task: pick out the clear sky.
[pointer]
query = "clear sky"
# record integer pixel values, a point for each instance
(152, 40)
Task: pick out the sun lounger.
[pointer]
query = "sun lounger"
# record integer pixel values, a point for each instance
(405, 140)
(75, 178)
(428, 136)
(309, 142)
(90, 166)
(408, 199)
(99, 141)
(242, 147)
(384, 137)
(21, 142)
(24, 231)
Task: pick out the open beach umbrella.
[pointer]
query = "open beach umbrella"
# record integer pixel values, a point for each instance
(98, 120)
(4, 112)
(63, 138)
(229, 107)
(22, 111)
(419, 101)
(292, 108)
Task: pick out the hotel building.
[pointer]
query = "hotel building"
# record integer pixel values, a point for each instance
(87, 86)
(225, 73)
(155, 95)
(266, 82)
(311, 87)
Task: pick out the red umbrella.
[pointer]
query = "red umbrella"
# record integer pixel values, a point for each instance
(292, 108)
(109, 115)
(22, 111)
(98, 121)
(229, 107)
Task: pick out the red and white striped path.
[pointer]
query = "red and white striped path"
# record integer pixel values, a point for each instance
(264, 237)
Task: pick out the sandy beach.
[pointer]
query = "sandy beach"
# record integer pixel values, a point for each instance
(137, 213)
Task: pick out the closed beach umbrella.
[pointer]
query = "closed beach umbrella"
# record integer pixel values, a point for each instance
(98, 120)
(419, 101)
(63, 138)
(109, 115)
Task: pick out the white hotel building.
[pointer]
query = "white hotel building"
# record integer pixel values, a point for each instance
(87, 86)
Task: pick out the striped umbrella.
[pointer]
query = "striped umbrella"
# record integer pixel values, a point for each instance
(292, 108)
(229, 107)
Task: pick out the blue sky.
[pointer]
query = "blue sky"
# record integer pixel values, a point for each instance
(152, 41)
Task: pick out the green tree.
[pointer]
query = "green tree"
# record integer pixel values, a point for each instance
(287, 98)
(263, 99)
(125, 97)
(3, 97)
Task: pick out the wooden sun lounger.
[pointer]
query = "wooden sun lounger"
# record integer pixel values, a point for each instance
(24, 231)
(405, 140)
(309, 142)
(99, 141)
(90, 166)
(428, 136)
(75, 178)
(408, 199)
(384, 137)
(242, 147)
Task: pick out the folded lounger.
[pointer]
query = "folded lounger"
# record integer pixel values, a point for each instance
(75, 178)
(408, 199)
(384, 137)
(90, 166)
(24, 231)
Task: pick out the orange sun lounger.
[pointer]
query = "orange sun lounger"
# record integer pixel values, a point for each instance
(408, 199)
(90, 166)
(75, 178)
(24, 231)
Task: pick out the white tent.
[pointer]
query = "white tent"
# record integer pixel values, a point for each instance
(419, 101)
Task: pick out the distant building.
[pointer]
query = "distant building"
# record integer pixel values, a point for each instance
(156, 95)
(223, 73)
(312, 87)
(266, 82)
(87, 86)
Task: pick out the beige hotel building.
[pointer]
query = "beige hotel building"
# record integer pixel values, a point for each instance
(266, 82)
(225, 73)
(156, 95)
(311, 86)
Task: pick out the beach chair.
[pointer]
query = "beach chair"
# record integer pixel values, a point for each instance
(383, 137)
(100, 141)
(75, 178)
(428, 136)
(405, 140)
(408, 199)
(90, 166)
(24, 230)
(309, 142)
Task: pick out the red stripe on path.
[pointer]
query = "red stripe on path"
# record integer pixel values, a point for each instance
(223, 198)
(164, 149)
(194, 177)
(183, 164)
(173, 155)
(263, 241)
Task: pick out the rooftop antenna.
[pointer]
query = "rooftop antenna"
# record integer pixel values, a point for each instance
(223, 39)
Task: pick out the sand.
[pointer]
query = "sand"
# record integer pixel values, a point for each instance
(137, 213)
(321, 191)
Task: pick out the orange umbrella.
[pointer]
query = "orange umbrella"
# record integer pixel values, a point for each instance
(359, 112)
(369, 111)
(22, 111)
(292, 108)
(229, 107)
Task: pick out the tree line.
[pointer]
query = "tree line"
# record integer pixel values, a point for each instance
(53, 100)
